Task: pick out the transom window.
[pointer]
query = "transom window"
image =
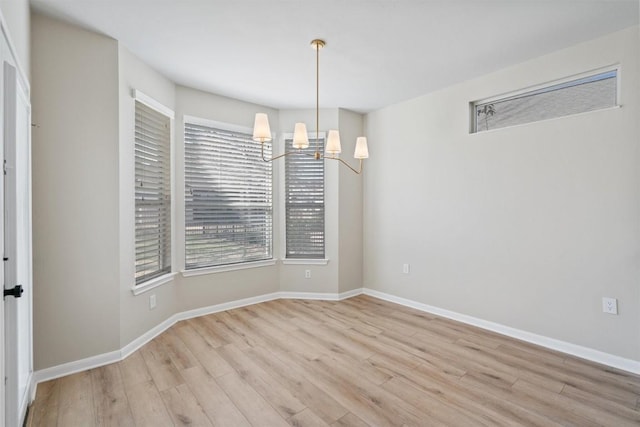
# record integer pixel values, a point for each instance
(561, 98)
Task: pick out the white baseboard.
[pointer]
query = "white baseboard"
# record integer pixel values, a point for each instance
(146, 337)
(217, 308)
(319, 296)
(116, 356)
(137, 343)
(351, 293)
(75, 366)
(587, 353)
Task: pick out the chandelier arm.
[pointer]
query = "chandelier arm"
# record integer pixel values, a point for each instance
(277, 157)
(264, 159)
(357, 172)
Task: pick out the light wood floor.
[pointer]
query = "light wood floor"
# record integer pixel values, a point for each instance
(356, 362)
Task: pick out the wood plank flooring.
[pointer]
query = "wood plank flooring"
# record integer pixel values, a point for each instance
(357, 362)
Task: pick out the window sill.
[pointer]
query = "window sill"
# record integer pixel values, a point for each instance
(224, 268)
(153, 283)
(294, 261)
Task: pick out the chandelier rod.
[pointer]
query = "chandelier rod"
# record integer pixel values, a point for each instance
(317, 45)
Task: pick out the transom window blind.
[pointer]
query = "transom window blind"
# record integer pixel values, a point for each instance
(304, 203)
(228, 198)
(555, 100)
(152, 193)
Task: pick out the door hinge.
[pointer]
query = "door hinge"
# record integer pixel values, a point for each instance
(4, 167)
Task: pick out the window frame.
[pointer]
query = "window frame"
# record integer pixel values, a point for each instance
(473, 122)
(155, 281)
(200, 270)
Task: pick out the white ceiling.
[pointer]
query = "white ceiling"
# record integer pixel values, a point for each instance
(378, 52)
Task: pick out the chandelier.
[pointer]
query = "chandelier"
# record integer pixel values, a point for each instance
(262, 131)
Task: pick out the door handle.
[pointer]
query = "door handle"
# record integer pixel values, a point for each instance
(16, 292)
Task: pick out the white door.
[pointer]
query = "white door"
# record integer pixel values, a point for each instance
(2, 352)
(17, 247)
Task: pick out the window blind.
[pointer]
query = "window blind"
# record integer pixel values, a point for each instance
(304, 203)
(152, 193)
(228, 198)
(555, 100)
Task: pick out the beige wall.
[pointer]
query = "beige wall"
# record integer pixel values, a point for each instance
(528, 226)
(216, 288)
(83, 168)
(350, 200)
(135, 316)
(75, 193)
(16, 16)
(324, 278)
(343, 209)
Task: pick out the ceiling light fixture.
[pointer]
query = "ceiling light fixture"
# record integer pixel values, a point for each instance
(262, 131)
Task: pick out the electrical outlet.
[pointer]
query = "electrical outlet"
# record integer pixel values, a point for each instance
(152, 302)
(307, 274)
(405, 268)
(609, 305)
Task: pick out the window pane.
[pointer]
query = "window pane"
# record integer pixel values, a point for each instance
(228, 198)
(152, 193)
(576, 96)
(304, 203)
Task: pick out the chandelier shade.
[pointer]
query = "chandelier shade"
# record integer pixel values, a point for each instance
(300, 136)
(261, 129)
(362, 151)
(333, 143)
